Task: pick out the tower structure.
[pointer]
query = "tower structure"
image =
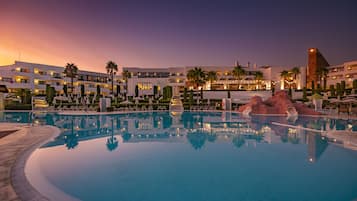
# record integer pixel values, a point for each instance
(315, 61)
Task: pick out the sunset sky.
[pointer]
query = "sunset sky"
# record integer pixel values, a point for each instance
(175, 33)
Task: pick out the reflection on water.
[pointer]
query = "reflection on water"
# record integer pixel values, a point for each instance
(196, 156)
(195, 128)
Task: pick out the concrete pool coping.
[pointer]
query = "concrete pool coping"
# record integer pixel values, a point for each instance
(15, 149)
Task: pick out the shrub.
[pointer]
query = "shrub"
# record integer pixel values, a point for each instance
(18, 107)
(110, 109)
(332, 90)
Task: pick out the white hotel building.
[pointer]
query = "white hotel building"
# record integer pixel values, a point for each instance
(147, 78)
(24, 75)
(344, 72)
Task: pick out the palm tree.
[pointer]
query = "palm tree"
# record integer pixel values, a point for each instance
(295, 72)
(111, 68)
(238, 72)
(196, 76)
(211, 76)
(322, 74)
(112, 142)
(284, 74)
(71, 71)
(126, 75)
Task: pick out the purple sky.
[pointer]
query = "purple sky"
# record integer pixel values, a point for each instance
(176, 33)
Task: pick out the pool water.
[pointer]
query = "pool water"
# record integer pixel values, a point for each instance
(193, 156)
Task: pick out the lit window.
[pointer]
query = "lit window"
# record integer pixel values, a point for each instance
(145, 86)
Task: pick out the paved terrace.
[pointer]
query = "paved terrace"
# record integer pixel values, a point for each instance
(15, 148)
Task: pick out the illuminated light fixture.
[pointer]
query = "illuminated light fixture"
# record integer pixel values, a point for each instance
(18, 69)
(35, 81)
(312, 50)
(36, 71)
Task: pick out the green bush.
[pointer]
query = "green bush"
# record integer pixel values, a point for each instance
(304, 95)
(110, 109)
(332, 90)
(18, 107)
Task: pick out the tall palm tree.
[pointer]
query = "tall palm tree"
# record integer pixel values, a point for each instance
(295, 72)
(322, 74)
(211, 76)
(126, 75)
(71, 71)
(285, 74)
(196, 76)
(238, 72)
(111, 68)
(112, 142)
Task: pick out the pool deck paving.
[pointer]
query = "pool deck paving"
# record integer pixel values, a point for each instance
(15, 148)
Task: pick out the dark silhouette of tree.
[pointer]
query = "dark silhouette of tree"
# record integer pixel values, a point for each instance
(111, 68)
(238, 141)
(197, 139)
(71, 71)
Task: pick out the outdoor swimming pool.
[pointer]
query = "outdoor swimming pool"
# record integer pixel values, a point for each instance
(193, 156)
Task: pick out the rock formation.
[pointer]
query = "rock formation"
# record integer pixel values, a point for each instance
(280, 103)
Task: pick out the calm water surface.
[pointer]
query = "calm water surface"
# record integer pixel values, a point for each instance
(193, 156)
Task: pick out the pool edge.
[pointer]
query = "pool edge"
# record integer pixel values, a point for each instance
(21, 185)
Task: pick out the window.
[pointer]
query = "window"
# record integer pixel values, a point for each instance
(56, 75)
(7, 79)
(145, 86)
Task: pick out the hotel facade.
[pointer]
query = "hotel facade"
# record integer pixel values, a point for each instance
(144, 81)
(35, 77)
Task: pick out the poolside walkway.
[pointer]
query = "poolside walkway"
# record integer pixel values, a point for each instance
(15, 148)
